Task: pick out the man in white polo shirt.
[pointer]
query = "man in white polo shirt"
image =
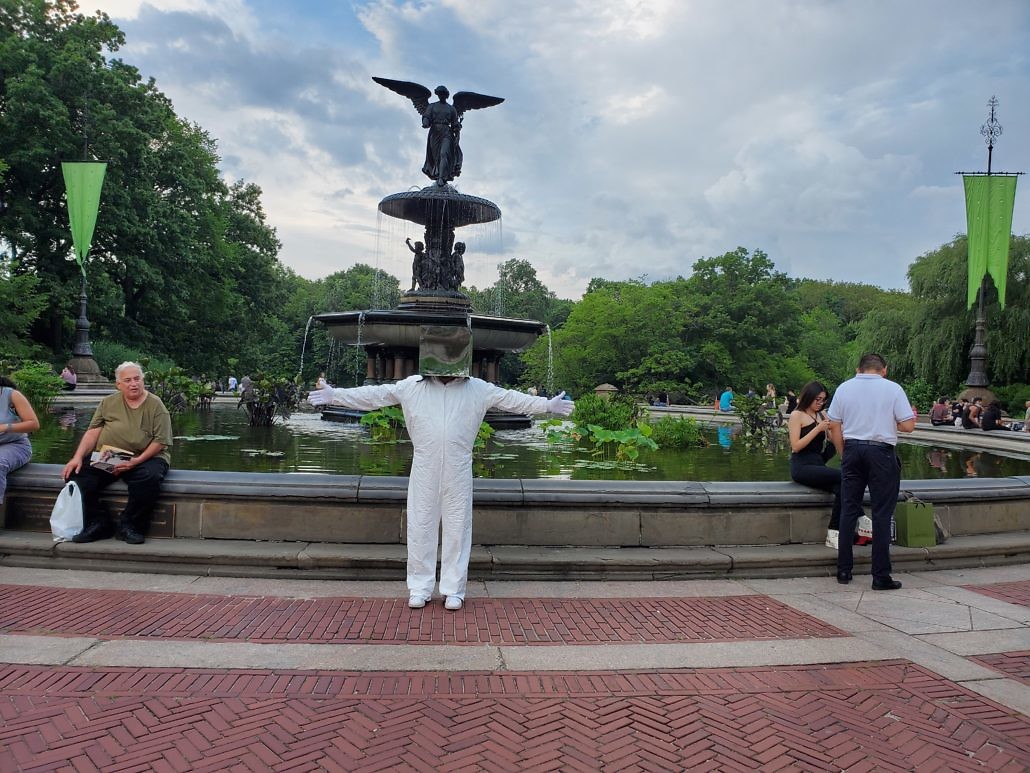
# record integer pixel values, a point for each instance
(866, 414)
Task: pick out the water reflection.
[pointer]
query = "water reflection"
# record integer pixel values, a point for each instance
(221, 439)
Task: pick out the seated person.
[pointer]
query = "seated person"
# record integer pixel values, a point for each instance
(808, 430)
(957, 408)
(940, 414)
(726, 400)
(70, 378)
(137, 421)
(17, 419)
(971, 414)
(991, 419)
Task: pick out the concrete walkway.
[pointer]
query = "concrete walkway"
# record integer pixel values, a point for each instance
(147, 671)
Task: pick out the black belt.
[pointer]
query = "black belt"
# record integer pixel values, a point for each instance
(877, 443)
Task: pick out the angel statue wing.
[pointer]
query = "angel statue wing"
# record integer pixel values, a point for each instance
(470, 100)
(417, 93)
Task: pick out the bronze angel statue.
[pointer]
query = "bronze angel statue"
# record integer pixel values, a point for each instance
(443, 149)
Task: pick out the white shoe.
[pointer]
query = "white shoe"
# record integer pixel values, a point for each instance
(453, 603)
(417, 602)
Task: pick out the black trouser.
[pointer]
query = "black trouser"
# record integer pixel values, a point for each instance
(144, 482)
(810, 470)
(878, 467)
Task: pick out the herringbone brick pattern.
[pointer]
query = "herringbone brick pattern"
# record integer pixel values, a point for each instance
(1014, 664)
(1012, 592)
(126, 614)
(885, 716)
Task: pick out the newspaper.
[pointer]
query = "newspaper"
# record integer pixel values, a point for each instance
(109, 457)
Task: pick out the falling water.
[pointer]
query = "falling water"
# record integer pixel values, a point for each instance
(500, 292)
(329, 359)
(359, 360)
(304, 346)
(550, 363)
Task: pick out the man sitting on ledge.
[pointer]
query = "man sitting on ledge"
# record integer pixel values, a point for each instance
(134, 421)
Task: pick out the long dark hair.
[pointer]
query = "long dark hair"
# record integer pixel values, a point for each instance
(6, 382)
(809, 392)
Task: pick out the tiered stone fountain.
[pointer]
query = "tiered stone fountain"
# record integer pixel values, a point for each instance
(391, 337)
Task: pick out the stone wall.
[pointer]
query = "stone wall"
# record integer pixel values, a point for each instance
(370, 510)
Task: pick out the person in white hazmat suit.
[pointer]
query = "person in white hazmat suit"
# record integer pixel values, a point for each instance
(443, 409)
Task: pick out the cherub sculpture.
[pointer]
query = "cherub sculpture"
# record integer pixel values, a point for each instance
(443, 119)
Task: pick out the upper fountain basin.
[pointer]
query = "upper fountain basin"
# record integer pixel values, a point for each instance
(440, 205)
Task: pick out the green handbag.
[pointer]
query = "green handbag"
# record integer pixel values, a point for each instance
(915, 523)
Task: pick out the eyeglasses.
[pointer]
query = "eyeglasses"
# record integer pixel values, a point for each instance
(820, 399)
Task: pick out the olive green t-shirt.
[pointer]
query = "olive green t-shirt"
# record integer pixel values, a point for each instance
(133, 428)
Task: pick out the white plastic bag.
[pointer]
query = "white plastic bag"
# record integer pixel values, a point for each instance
(66, 517)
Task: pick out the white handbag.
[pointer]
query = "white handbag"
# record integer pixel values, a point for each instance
(66, 517)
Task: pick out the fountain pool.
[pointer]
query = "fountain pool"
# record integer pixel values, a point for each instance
(221, 439)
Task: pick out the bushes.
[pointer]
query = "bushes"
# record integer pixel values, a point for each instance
(670, 432)
(1013, 398)
(38, 382)
(616, 412)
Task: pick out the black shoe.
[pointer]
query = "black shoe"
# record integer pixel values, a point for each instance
(130, 536)
(843, 577)
(92, 533)
(887, 583)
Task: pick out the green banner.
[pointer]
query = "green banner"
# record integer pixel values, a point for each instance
(989, 203)
(83, 181)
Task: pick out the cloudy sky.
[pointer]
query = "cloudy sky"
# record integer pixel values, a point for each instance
(636, 136)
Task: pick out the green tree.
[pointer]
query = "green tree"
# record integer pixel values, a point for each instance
(942, 332)
(746, 316)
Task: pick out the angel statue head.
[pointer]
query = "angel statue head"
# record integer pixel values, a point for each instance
(443, 120)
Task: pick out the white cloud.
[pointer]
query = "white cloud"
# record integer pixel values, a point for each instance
(636, 137)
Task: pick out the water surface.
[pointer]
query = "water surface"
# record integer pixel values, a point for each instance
(220, 439)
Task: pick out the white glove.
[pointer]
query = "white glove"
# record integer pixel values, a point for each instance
(559, 405)
(321, 396)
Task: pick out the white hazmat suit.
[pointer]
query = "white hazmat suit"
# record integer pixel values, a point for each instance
(443, 419)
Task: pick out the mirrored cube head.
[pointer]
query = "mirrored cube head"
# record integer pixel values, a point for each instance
(445, 351)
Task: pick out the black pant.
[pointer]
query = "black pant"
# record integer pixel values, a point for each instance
(879, 468)
(144, 484)
(808, 469)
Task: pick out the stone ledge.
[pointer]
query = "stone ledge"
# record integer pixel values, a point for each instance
(299, 560)
(572, 493)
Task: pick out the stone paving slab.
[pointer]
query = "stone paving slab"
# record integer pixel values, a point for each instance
(876, 717)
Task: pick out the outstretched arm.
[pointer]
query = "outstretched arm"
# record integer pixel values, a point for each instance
(366, 398)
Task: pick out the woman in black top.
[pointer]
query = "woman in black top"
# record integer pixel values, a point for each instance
(810, 448)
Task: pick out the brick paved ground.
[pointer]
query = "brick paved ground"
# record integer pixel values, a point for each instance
(1014, 664)
(1012, 592)
(887, 716)
(130, 614)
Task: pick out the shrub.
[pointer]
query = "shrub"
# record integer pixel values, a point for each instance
(618, 411)
(109, 355)
(671, 432)
(1013, 398)
(922, 394)
(268, 397)
(384, 424)
(38, 382)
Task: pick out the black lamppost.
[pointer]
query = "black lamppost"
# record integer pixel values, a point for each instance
(83, 181)
(976, 381)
